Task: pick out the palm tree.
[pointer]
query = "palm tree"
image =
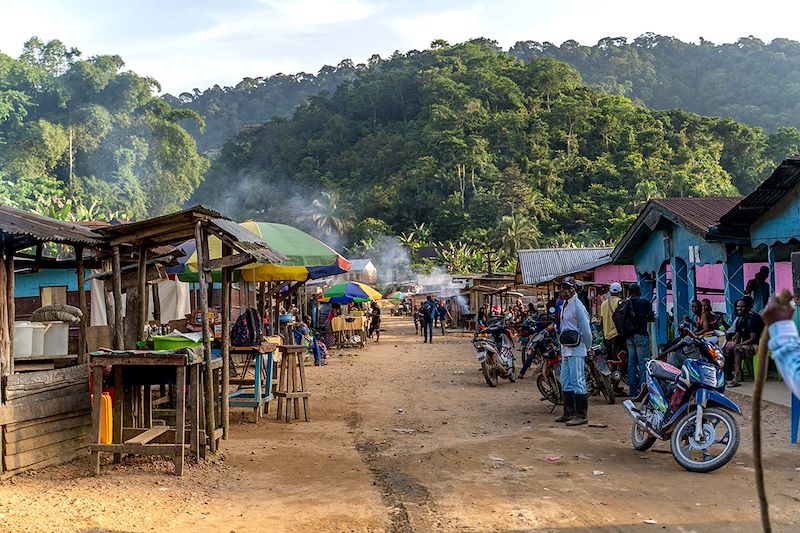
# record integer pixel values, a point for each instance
(517, 233)
(331, 216)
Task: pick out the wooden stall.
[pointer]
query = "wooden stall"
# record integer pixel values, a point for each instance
(45, 416)
(240, 247)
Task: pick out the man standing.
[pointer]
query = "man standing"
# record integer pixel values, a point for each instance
(613, 339)
(638, 312)
(428, 312)
(748, 331)
(759, 289)
(443, 314)
(575, 335)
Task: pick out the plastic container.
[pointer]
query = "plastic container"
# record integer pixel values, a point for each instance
(165, 342)
(28, 338)
(56, 338)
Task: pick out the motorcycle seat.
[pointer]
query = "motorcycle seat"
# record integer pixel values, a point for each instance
(665, 371)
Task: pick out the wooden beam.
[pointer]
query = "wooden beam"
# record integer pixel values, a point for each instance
(147, 436)
(156, 303)
(234, 261)
(142, 289)
(226, 334)
(262, 299)
(131, 278)
(82, 356)
(293, 289)
(276, 288)
(116, 272)
(10, 299)
(160, 229)
(201, 242)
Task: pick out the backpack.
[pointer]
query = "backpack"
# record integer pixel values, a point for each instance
(618, 317)
(427, 310)
(247, 330)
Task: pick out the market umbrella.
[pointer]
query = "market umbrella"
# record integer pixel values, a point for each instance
(350, 291)
(306, 257)
(397, 295)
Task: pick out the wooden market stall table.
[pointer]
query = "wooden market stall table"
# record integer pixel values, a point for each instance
(350, 330)
(133, 368)
(262, 359)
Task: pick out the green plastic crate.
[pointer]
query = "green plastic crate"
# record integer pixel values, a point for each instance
(174, 343)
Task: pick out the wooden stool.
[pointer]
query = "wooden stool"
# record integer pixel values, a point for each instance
(292, 382)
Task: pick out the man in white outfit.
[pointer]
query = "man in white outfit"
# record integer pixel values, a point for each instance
(575, 335)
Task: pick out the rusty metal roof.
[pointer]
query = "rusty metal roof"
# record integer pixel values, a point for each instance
(697, 215)
(783, 179)
(546, 264)
(29, 228)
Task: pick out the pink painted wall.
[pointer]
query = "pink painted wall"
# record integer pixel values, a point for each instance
(609, 273)
(710, 276)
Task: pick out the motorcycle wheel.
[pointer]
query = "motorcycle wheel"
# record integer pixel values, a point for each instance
(512, 374)
(549, 391)
(489, 374)
(641, 439)
(717, 425)
(607, 388)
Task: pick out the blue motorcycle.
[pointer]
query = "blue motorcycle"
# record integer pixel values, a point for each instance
(687, 406)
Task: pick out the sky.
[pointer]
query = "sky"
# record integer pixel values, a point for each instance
(196, 44)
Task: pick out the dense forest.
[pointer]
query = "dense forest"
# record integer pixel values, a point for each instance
(81, 138)
(749, 81)
(473, 147)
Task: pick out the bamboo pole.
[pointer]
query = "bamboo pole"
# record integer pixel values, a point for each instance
(82, 357)
(262, 304)
(116, 273)
(226, 333)
(201, 241)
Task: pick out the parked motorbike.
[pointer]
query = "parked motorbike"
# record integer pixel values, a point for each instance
(598, 374)
(495, 353)
(548, 373)
(687, 406)
(618, 363)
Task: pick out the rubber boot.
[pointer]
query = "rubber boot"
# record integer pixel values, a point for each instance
(569, 407)
(581, 408)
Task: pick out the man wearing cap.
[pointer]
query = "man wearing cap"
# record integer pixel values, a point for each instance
(614, 341)
(575, 335)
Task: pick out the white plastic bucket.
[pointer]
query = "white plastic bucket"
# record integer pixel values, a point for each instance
(28, 338)
(56, 338)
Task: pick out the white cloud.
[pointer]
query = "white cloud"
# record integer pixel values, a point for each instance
(453, 25)
(314, 13)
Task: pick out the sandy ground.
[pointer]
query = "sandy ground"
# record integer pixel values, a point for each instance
(406, 436)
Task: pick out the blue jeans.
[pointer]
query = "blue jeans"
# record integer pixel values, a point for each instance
(638, 355)
(427, 329)
(573, 375)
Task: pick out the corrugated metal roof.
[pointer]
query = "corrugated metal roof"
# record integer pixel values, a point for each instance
(247, 241)
(30, 227)
(546, 264)
(699, 214)
(783, 179)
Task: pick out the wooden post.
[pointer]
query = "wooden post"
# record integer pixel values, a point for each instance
(6, 357)
(201, 241)
(108, 300)
(226, 333)
(116, 273)
(142, 286)
(262, 304)
(82, 357)
(156, 304)
(12, 308)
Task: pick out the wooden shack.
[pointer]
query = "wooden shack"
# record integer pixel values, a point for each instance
(45, 416)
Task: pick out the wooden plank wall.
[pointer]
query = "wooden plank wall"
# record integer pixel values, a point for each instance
(46, 418)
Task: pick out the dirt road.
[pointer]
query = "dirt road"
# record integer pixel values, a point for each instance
(406, 436)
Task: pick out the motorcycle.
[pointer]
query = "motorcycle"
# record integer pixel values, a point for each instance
(598, 374)
(548, 373)
(687, 406)
(618, 363)
(495, 353)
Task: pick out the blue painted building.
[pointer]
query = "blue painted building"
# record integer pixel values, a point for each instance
(29, 283)
(666, 243)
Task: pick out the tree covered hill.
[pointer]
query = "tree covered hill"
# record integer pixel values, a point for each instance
(481, 148)
(82, 137)
(749, 80)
